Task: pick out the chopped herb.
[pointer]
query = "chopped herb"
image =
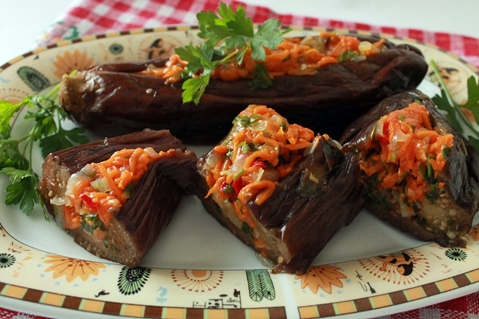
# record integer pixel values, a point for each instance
(228, 189)
(433, 193)
(229, 153)
(245, 121)
(91, 222)
(347, 56)
(446, 151)
(246, 228)
(239, 174)
(245, 148)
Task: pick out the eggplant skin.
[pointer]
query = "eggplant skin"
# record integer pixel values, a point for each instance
(153, 199)
(112, 99)
(303, 213)
(445, 221)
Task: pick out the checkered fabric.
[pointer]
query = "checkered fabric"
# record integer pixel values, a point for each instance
(86, 17)
(100, 16)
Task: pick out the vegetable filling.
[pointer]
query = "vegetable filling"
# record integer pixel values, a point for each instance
(261, 149)
(406, 155)
(293, 56)
(98, 190)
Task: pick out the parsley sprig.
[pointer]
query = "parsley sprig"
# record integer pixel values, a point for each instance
(16, 153)
(453, 111)
(228, 36)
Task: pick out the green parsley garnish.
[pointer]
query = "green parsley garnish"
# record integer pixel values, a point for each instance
(453, 111)
(16, 153)
(228, 35)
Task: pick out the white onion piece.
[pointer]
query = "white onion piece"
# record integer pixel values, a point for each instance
(258, 175)
(78, 178)
(57, 201)
(238, 165)
(212, 160)
(151, 152)
(365, 46)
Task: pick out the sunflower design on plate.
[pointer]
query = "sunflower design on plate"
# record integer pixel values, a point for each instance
(197, 280)
(12, 95)
(71, 61)
(72, 268)
(322, 277)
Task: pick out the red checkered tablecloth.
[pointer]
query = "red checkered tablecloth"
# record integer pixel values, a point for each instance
(85, 17)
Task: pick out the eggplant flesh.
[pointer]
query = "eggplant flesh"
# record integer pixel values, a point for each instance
(112, 99)
(446, 218)
(314, 201)
(153, 199)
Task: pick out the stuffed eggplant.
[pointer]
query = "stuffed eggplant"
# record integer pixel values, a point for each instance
(116, 196)
(279, 188)
(310, 81)
(420, 175)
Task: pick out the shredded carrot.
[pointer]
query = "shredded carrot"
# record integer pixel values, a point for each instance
(293, 56)
(409, 152)
(120, 170)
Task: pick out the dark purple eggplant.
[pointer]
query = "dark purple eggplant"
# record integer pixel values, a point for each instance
(113, 99)
(446, 214)
(319, 196)
(150, 203)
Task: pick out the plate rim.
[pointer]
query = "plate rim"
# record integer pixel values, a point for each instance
(425, 301)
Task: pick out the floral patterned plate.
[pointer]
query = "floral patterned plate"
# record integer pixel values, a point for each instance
(198, 269)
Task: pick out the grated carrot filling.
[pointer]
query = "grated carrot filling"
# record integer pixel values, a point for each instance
(407, 148)
(117, 173)
(294, 56)
(261, 149)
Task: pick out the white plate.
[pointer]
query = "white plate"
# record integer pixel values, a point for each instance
(196, 263)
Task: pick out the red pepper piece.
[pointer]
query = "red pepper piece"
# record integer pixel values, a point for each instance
(237, 185)
(259, 163)
(89, 202)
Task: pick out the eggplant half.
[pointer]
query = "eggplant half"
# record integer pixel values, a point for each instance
(120, 98)
(419, 174)
(115, 196)
(279, 188)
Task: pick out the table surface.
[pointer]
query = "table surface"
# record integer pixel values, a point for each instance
(23, 21)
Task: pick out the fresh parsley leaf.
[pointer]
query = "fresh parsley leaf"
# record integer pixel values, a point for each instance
(268, 35)
(16, 154)
(452, 109)
(472, 102)
(10, 155)
(228, 35)
(442, 103)
(23, 189)
(198, 57)
(194, 88)
(261, 80)
(62, 139)
(7, 110)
